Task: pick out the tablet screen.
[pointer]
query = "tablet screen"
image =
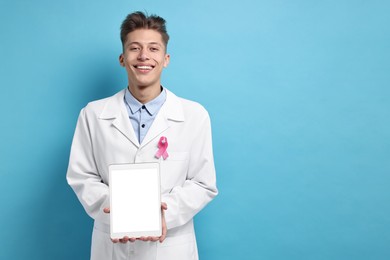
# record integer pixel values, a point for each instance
(135, 208)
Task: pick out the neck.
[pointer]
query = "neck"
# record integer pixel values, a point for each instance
(144, 95)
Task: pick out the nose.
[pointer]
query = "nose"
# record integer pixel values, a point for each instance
(143, 55)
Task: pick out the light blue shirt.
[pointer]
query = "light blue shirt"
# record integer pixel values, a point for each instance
(142, 115)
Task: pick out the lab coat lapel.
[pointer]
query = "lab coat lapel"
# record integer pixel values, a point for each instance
(122, 123)
(115, 110)
(171, 110)
(160, 124)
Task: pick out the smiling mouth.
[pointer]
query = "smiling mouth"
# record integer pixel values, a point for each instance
(143, 67)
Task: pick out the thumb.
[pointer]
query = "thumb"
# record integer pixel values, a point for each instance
(164, 206)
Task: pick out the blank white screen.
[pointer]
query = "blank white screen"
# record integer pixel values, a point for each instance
(134, 200)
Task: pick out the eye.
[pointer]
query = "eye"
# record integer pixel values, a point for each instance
(154, 49)
(134, 48)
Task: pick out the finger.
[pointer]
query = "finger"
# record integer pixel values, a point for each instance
(115, 240)
(154, 239)
(124, 240)
(164, 206)
(162, 238)
(106, 210)
(143, 238)
(164, 232)
(163, 228)
(132, 239)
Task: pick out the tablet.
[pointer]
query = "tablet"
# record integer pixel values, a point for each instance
(135, 203)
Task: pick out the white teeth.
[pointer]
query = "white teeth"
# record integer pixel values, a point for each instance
(144, 67)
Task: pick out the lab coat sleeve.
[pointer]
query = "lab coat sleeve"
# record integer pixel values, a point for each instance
(83, 175)
(185, 201)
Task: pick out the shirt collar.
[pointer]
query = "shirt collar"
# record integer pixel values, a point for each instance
(152, 106)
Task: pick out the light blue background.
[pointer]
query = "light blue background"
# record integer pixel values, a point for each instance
(298, 92)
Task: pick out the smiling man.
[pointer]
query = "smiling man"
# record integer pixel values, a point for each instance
(144, 57)
(128, 128)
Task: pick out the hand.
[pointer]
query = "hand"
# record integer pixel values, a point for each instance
(154, 239)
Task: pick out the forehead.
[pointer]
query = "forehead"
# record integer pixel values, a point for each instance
(144, 36)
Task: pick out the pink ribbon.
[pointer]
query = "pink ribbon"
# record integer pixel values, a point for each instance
(162, 148)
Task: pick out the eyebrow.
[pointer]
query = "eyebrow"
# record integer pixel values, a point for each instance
(148, 43)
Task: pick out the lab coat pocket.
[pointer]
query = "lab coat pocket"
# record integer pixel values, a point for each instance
(173, 170)
(181, 247)
(177, 156)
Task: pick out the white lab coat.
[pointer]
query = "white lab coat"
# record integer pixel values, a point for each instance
(104, 136)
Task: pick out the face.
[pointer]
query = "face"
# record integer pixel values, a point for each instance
(144, 57)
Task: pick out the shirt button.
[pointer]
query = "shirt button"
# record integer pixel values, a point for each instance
(143, 107)
(143, 125)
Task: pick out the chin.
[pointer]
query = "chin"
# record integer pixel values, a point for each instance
(144, 85)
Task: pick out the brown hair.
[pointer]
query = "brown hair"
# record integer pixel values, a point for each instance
(138, 20)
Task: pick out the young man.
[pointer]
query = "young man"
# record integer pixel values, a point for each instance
(127, 128)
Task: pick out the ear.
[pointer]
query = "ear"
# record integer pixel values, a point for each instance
(122, 60)
(166, 60)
